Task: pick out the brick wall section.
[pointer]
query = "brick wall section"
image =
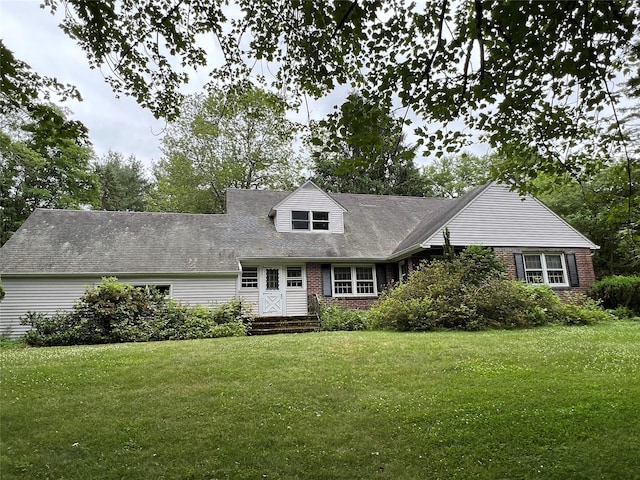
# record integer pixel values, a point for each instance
(584, 263)
(314, 279)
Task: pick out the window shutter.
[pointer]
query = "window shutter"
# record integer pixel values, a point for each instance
(326, 279)
(381, 276)
(519, 266)
(572, 266)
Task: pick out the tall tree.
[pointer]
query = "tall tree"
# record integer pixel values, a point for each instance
(123, 185)
(532, 75)
(43, 164)
(453, 176)
(603, 208)
(361, 149)
(236, 138)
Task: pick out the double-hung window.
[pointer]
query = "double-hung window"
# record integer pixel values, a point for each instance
(299, 220)
(354, 280)
(249, 277)
(294, 277)
(545, 268)
(304, 220)
(321, 220)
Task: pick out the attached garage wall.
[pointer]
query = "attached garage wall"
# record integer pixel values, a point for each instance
(251, 298)
(39, 295)
(194, 291)
(48, 295)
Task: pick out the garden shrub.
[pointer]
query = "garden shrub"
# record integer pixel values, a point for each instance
(618, 291)
(437, 295)
(114, 312)
(403, 314)
(471, 292)
(48, 330)
(502, 303)
(480, 263)
(625, 313)
(335, 317)
(180, 322)
(581, 310)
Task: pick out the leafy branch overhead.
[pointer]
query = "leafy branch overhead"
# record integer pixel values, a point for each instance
(529, 72)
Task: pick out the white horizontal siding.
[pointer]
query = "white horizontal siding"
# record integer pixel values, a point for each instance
(38, 295)
(251, 298)
(204, 291)
(313, 200)
(283, 221)
(336, 221)
(296, 302)
(48, 295)
(500, 218)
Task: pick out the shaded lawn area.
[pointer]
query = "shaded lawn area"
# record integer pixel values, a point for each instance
(553, 402)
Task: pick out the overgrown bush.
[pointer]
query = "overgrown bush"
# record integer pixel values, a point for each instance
(335, 317)
(47, 330)
(470, 292)
(114, 312)
(618, 292)
(180, 322)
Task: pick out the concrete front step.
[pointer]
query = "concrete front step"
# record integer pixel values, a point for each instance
(273, 325)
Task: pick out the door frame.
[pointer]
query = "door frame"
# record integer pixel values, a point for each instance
(272, 297)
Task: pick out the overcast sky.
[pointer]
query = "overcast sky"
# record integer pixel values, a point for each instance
(114, 123)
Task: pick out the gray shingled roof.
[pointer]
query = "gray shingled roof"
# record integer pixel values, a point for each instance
(77, 241)
(66, 241)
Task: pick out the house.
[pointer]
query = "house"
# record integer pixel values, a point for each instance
(278, 250)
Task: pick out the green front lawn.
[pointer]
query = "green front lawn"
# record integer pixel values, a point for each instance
(553, 402)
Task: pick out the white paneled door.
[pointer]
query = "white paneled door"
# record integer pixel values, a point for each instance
(272, 292)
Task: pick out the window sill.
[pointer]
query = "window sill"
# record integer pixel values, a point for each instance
(553, 286)
(356, 296)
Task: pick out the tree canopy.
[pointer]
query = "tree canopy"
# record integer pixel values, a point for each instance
(366, 153)
(123, 185)
(452, 177)
(44, 163)
(540, 75)
(233, 138)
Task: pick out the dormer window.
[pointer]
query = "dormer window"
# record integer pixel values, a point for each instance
(321, 220)
(299, 220)
(304, 220)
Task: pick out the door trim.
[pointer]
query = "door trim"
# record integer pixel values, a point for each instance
(272, 300)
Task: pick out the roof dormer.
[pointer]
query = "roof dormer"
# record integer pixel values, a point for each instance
(308, 209)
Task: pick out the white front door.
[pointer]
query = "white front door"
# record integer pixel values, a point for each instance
(272, 292)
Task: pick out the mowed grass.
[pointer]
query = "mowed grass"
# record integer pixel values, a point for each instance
(557, 402)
